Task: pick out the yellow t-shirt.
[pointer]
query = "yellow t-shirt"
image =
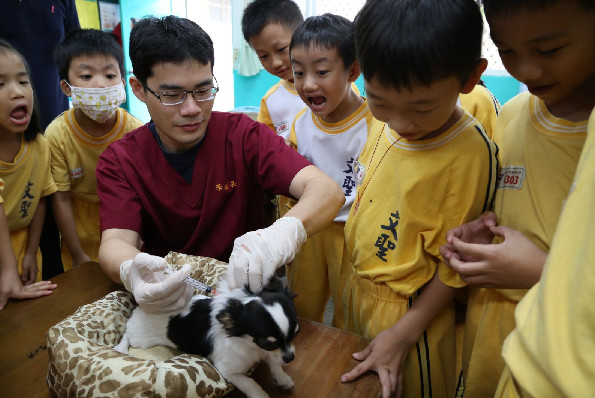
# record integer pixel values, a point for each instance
(409, 194)
(539, 153)
(483, 106)
(551, 353)
(75, 153)
(27, 179)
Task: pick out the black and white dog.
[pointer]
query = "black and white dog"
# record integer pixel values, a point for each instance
(235, 329)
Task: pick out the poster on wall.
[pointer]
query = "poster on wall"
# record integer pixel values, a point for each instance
(109, 15)
(88, 14)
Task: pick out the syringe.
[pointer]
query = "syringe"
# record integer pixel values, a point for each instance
(193, 282)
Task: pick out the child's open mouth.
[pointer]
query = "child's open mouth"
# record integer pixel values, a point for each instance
(19, 115)
(317, 102)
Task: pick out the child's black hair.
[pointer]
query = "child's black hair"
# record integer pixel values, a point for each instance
(87, 42)
(403, 43)
(261, 13)
(168, 39)
(34, 126)
(326, 31)
(505, 7)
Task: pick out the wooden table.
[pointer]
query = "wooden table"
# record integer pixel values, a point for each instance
(323, 353)
(23, 327)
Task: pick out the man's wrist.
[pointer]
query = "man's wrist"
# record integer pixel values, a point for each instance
(296, 225)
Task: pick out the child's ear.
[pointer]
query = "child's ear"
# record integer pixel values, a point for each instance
(137, 89)
(354, 71)
(65, 88)
(475, 76)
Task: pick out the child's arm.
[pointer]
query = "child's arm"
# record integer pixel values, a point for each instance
(10, 283)
(516, 263)
(387, 352)
(29, 266)
(62, 207)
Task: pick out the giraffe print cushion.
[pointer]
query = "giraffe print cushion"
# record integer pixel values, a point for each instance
(83, 363)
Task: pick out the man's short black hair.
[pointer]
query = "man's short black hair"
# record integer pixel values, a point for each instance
(34, 126)
(326, 31)
(418, 42)
(261, 13)
(504, 7)
(168, 39)
(87, 42)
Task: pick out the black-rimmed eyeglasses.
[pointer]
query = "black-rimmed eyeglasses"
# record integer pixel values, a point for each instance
(178, 96)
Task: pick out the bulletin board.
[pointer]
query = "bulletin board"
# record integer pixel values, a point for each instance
(109, 14)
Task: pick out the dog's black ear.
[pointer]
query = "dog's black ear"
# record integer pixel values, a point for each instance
(275, 284)
(230, 316)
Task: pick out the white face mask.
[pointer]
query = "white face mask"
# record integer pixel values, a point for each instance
(99, 104)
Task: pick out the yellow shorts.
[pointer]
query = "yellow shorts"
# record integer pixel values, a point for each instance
(490, 319)
(86, 219)
(430, 367)
(507, 388)
(316, 273)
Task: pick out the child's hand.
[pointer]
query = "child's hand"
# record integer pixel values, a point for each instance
(29, 273)
(386, 356)
(476, 231)
(516, 263)
(11, 287)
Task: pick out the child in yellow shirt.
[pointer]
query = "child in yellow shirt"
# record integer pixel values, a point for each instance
(428, 167)
(25, 181)
(540, 134)
(91, 66)
(551, 351)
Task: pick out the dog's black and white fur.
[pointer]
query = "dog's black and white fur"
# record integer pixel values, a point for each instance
(235, 329)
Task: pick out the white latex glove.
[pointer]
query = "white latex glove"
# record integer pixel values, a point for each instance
(153, 289)
(256, 255)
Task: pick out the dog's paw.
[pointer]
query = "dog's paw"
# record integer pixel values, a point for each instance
(284, 381)
(121, 350)
(122, 347)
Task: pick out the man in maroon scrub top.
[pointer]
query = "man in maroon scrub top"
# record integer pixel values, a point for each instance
(193, 180)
